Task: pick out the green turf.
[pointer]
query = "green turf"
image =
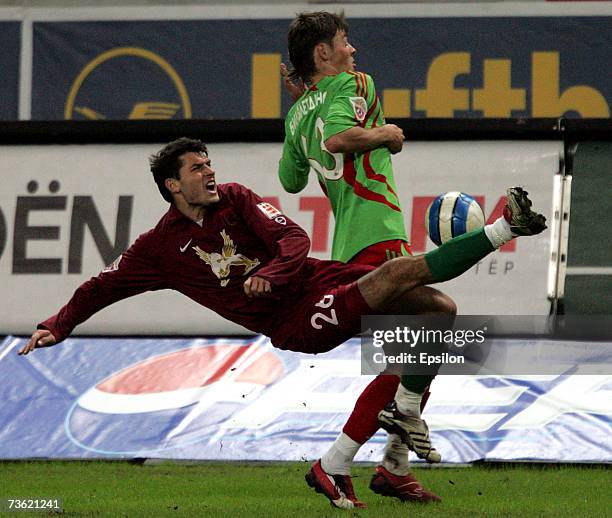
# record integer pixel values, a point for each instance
(265, 490)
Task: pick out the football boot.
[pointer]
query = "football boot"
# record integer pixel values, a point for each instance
(412, 430)
(405, 487)
(337, 488)
(517, 212)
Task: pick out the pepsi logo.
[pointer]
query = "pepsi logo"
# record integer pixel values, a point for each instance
(172, 398)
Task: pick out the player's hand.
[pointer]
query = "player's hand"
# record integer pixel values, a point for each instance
(294, 88)
(394, 138)
(257, 287)
(40, 338)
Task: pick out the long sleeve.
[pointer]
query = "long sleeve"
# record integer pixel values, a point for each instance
(286, 241)
(293, 168)
(134, 272)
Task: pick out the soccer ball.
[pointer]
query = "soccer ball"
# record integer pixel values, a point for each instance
(452, 214)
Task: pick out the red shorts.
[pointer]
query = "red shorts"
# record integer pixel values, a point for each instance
(328, 312)
(378, 253)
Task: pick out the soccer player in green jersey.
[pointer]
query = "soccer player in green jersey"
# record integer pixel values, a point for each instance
(337, 128)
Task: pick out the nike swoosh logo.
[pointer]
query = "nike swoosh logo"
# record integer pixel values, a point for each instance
(183, 248)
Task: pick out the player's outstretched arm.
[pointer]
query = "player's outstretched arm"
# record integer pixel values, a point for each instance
(40, 338)
(358, 139)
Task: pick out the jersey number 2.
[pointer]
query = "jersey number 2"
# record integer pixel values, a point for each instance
(324, 303)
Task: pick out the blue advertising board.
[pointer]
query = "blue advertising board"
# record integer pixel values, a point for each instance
(121, 70)
(242, 399)
(522, 66)
(10, 42)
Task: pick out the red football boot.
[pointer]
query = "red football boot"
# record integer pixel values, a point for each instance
(337, 488)
(406, 487)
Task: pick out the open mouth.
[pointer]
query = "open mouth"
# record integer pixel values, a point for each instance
(211, 187)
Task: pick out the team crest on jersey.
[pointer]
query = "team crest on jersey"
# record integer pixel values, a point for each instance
(360, 107)
(220, 263)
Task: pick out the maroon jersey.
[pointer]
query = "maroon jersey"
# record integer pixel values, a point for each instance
(241, 236)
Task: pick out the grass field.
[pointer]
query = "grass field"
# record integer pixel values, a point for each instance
(263, 490)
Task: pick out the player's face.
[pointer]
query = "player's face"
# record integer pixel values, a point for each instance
(342, 53)
(196, 181)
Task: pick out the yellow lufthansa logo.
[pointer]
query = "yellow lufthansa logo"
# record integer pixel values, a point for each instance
(139, 110)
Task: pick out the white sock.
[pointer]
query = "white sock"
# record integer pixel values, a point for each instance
(338, 459)
(499, 232)
(408, 402)
(395, 458)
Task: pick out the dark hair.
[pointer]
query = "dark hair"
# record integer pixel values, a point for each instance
(166, 163)
(305, 33)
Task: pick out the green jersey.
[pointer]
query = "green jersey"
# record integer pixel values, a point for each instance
(360, 186)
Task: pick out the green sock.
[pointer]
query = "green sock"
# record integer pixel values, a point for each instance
(416, 384)
(458, 255)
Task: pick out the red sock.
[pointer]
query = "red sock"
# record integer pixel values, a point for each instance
(363, 421)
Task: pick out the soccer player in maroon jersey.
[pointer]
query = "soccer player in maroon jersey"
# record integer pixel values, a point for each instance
(225, 248)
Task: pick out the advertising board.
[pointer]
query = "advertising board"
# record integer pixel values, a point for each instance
(67, 211)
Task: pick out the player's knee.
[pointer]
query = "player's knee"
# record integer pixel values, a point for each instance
(401, 271)
(444, 304)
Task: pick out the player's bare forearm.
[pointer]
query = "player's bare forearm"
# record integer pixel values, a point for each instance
(40, 338)
(358, 139)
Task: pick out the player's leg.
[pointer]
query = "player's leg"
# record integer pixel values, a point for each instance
(423, 300)
(363, 421)
(386, 288)
(324, 319)
(389, 287)
(393, 477)
(335, 464)
(396, 288)
(332, 472)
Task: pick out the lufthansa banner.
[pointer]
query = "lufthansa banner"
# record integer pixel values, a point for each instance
(10, 33)
(423, 66)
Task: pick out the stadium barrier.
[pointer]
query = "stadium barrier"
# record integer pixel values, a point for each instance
(76, 193)
(182, 399)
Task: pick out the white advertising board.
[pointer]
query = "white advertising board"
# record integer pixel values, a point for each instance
(67, 211)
